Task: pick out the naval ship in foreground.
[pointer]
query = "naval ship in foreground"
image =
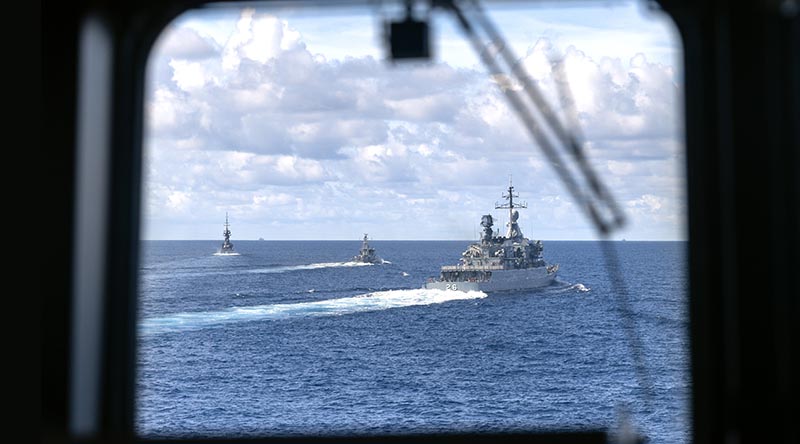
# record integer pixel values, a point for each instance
(367, 254)
(499, 263)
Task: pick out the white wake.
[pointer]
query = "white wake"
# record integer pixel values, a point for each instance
(265, 270)
(562, 287)
(285, 268)
(581, 288)
(381, 300)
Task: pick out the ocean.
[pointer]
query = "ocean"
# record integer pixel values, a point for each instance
(289, 338)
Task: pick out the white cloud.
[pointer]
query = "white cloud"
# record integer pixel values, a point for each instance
(272, 199)
(620, 168)
(428, 108)
(259, 38)
(186, 43)
(178, 200)
(163, 111)
(189, 75)
(263, 123)
(647, 202)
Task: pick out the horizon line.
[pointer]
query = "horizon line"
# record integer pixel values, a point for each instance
(410, 240)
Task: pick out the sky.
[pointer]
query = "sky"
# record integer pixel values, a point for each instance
(294, 123)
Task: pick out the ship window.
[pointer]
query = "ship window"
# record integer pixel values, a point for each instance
(279, 140)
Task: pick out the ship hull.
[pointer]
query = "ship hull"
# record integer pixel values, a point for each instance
(501, 280)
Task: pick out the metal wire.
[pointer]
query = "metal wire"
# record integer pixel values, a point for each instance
(539, 117)
(590, 193)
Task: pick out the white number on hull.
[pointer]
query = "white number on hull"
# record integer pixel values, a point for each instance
(451, 287)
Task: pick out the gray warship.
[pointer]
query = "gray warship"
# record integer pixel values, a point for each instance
(499, 263)
(367, 254)
(227, 246)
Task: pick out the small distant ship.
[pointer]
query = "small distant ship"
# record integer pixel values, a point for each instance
(499, 263)
(367, 254)
(227, 245)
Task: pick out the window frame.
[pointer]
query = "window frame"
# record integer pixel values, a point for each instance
(741, 91)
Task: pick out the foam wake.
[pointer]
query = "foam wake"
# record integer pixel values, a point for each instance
(225, 254)
(380, 300)
(285, 268)
(561, 287)
(270, 269)
(580, 288)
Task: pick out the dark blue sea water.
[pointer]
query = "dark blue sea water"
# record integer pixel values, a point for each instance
(289, 339)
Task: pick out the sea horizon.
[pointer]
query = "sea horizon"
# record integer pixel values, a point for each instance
(406, 240)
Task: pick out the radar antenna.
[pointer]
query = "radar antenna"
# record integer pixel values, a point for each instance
(513, 227)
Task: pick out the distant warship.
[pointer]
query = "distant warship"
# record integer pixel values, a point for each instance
(367, 254)
(227, 246)
(498, 263)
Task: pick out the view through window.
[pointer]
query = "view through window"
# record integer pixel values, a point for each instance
(317, 257)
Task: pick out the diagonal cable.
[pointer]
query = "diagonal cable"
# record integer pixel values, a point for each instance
(550, 134)
(539, 118)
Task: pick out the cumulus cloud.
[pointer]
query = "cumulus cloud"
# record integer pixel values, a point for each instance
(262, 122)
(258, 38)
(186, 43)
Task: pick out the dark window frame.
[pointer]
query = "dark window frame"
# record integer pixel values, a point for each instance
(742, 105)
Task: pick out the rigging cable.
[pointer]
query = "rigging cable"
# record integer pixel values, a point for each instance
(549, 133)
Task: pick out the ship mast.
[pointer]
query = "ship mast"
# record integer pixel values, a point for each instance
(513, 226)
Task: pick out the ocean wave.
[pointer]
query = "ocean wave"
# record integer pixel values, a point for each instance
(381, 300)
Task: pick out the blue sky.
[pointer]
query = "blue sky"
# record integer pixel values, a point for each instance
(293, 123)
